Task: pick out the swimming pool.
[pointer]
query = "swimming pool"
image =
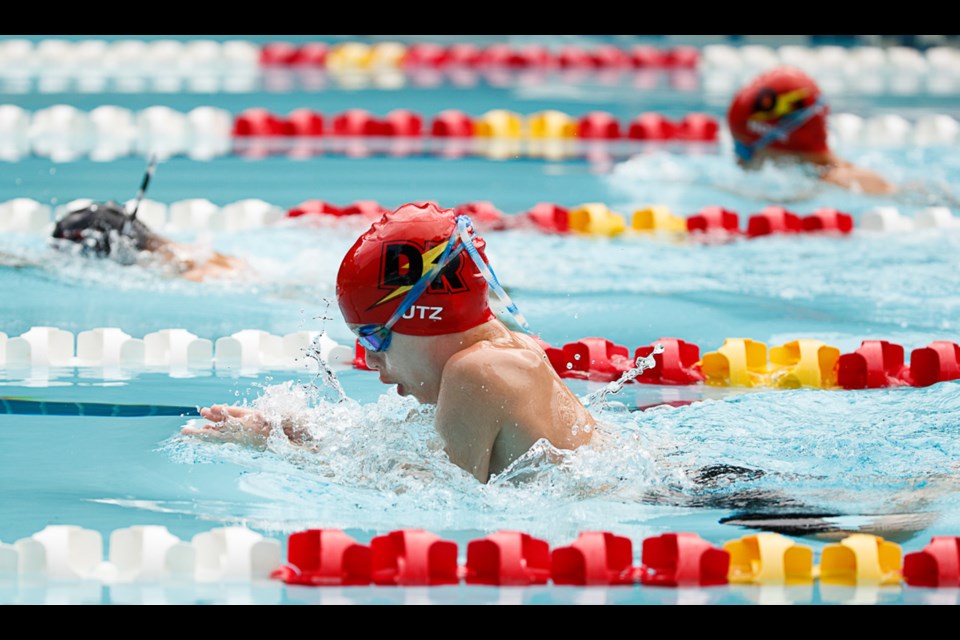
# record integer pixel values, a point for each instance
(835, 460)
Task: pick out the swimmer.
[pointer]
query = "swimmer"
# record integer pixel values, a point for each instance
(781, 116)
(106, 230)
(414, 290)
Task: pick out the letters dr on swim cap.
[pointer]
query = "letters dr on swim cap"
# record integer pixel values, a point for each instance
(390, 257)
(765, 105)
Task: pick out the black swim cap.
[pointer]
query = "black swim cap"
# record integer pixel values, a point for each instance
(99, 228)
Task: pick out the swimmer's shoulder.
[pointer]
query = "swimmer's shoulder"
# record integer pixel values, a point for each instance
(515, 349)
(487, 369)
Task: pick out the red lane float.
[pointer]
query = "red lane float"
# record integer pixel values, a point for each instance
(312, 54)
(827, 219)
(570, 56)
(402, 122)
(598, 125)
(594, 558)
(651, 126)
(356, 122)
(259, 122)
(484, 214)
(607, 56)
(682, 559)
(508, 558)
(278, 53)
(427, 54)
(549, 217)
(523, 57)
(464, 54)
(359, 357)
(411, 557)
(304, 123)
(644, 56)
(772, 219)
(325, 557)
(776, 219)
(590, 359)
(368, 208)
(679, 363)
(681, 57)
(937, 362)
(697, 127)
(876, 364)
(452, 123)
(314, 207)
(937, 565)
(714, 219)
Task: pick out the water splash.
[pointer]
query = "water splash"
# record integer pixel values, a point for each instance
(598, 399)
(381, 465)
(325, 373)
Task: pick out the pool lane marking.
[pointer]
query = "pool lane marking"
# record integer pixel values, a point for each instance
(19, 406)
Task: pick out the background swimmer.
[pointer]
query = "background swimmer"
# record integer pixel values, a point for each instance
(414, 289)
(106, 230)
(781, 116)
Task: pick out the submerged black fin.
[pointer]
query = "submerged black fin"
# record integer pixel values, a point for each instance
(833, 527)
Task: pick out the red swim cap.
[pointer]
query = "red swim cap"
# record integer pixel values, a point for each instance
(760, 105)
(388, 259)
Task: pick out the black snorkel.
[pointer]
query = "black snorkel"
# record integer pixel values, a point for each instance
(151, 166)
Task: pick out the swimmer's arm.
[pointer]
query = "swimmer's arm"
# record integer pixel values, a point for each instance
(245, 425)
(219, 266)
(850, 176)
(468, 417)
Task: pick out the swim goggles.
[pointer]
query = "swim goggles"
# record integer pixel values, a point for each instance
(787, 125)
(377, 337)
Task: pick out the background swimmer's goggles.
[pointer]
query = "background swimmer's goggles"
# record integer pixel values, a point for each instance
(376, 337)
(787, 125)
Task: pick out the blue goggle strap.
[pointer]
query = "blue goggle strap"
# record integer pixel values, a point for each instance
(465, 227)
(787, 125)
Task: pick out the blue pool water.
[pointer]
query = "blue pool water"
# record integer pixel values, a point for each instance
(881, 460)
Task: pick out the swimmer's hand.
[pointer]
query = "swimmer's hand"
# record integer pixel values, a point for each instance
(231, 424)
(245, 426)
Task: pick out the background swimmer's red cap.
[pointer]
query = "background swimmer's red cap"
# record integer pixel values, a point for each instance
(388, 259)
(771, 96)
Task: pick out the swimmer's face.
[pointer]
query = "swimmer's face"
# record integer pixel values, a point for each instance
(409, 363)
